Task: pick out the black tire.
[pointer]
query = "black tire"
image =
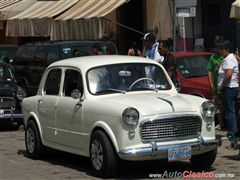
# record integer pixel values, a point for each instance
(110, 162)
(204, 160)
(37, 149)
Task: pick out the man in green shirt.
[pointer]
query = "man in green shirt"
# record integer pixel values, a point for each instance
(213, 67)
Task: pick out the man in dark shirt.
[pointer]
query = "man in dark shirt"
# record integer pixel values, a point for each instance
(169, 62)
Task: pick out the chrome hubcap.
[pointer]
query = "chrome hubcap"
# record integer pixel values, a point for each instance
(30, 138)
(97, 154)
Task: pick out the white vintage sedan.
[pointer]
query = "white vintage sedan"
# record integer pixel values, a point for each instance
(117, 107)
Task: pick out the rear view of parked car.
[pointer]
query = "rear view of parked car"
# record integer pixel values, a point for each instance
(32, 59)
(11, 96)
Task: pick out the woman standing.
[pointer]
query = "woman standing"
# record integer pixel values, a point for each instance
(228, 86)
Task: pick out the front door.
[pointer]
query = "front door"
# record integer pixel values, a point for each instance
(69, 112)
(47, 104)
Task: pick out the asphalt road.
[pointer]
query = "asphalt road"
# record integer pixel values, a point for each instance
(14, 164)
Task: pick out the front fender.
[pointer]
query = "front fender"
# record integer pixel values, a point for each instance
(108, 130)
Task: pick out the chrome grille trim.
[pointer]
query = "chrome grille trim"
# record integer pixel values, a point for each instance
(171, 128)
(7, 103)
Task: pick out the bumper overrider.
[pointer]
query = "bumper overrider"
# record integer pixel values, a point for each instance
(153, 151)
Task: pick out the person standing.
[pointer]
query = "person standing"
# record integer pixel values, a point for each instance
(151, 48)
(228, 86)
(169, 62)
(213, 68)
(133, 50)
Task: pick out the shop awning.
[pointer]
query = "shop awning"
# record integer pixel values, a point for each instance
(45, 9)
(63, 19)
(14, 8)
(90, 9)
(37, 19)
(6, 3)
(235, 10)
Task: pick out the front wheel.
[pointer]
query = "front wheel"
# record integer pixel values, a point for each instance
(33, 142)
(204, 160)
(103, 156)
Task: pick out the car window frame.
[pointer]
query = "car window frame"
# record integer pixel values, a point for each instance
(46, 80)
(63, 80)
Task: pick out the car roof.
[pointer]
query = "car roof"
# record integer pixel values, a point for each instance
(88, 62)
(189, 53)
(8, 46)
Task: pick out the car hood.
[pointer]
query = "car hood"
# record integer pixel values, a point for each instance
(154, 103)
(201, 82)
(8, 89)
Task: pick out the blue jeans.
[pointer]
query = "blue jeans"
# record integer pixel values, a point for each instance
(229, 97)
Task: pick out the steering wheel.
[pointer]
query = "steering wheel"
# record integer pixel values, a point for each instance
(141, 79)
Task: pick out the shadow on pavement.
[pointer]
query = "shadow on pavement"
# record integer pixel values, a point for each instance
(128, 170)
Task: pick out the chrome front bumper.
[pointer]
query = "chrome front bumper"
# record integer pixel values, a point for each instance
(9, 114)
(161, 152)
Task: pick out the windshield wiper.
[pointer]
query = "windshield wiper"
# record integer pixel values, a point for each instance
(111, 90)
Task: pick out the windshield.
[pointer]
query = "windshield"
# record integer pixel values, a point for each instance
(193, 66)
(119, 78)
(5, 74)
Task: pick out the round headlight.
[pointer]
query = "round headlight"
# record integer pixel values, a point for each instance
(208, 110)
(130, 116)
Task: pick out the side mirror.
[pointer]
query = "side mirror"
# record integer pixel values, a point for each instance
(76, 94)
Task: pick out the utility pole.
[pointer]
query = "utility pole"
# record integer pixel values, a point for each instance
(174, 25)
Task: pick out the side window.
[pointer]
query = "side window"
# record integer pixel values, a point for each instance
(53, 55)
(52, 85)
(40, 55)
(24, 55)
(72, 81)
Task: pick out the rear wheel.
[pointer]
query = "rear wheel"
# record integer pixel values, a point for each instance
(33, 142)
(104, 159)
(204, 160)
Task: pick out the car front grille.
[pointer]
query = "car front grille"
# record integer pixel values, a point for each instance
(171, 128)
(7, 103)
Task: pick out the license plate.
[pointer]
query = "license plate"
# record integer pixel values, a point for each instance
(1, 113)
(177, 154)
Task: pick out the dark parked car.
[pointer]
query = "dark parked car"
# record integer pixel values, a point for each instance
(32, 59)
(11, 96)
(7, 52)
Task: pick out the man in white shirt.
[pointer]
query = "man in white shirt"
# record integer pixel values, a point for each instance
(228, 85)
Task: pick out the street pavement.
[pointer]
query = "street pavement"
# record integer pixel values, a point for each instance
(14, 164)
